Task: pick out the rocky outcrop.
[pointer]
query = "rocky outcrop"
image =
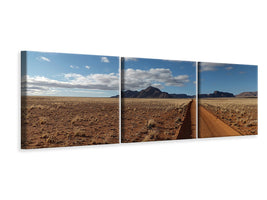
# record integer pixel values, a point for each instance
(248, 94)
(216, 94)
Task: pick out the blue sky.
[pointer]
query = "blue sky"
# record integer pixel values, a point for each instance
(168, 75)
(59, 74)
(231, 78)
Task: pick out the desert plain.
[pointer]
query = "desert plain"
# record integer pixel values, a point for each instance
(145, 119)
(68, 121)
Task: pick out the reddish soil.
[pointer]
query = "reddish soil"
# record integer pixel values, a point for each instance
(210, 126)
(68, 121)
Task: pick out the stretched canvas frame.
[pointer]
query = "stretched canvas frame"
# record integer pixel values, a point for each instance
(74, 100)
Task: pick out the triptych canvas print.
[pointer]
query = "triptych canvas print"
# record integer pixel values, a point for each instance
(74, 100)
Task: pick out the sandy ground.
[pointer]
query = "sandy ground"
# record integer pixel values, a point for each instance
(210, 126)
(68, 121)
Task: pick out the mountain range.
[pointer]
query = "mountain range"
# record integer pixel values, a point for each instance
(152, 92)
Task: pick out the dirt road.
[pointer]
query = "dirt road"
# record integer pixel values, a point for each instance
(210, 126)
(188, 129)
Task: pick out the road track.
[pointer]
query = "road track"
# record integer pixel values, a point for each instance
(188, 129)
(211, 126)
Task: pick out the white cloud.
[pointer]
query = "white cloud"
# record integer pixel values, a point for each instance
(74, 67)
(42, 85)
(42, 58)
(104, 59)
(135, 79)
(88, 92)
(36, 90)
(157, 85)
(212, 67)
(130, 59)
(87, 67)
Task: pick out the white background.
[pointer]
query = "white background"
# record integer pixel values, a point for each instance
(216, 31)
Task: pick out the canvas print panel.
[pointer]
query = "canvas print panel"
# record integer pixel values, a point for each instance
(158, 100)
(227, 100)
(66, 100)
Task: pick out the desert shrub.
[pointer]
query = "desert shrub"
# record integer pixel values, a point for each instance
(40, 107)
(45, 136)
(178, 120)
(77, 118)
(51, 140)
(42, 120)
(151, 135)
(77, 132)
(151, 123)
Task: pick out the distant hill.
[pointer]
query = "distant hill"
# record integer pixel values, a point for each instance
(216, 94)
(248, 94)
(151, 92)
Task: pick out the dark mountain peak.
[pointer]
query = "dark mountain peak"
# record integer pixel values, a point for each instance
(150, 92)
(223, 94)
(151, 88)
(217, 94)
